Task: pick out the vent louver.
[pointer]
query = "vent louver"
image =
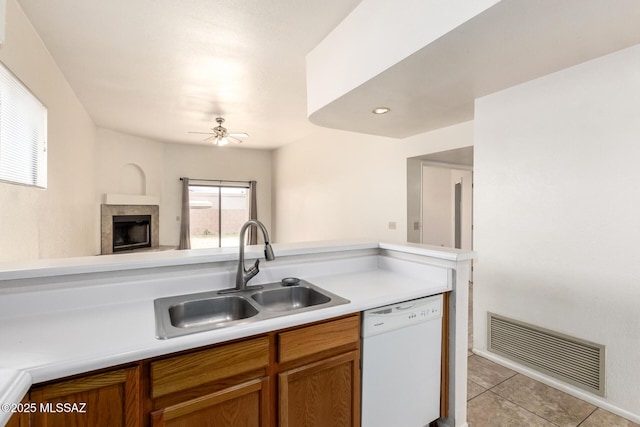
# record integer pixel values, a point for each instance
(570, 359)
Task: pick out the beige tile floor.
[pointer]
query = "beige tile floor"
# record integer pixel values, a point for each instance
(498, 397)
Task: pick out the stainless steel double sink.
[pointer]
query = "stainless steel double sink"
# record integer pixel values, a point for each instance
(188, 314)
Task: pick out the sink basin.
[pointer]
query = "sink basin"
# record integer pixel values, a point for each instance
(210, 311)
(291, 298)
(187, 314)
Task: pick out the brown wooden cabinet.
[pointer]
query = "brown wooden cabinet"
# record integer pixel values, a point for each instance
(223, 386)
(319, 375)
(302, 376)
(21, 418)
(18, 420)
(306, 375)
(323, 393)
(109, 399)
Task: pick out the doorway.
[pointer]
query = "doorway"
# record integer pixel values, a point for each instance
(440, 204)
(432, 202)
(446, 206)
(216, 213)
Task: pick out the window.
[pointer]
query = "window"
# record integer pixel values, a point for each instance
(23, 133)
(216, 215)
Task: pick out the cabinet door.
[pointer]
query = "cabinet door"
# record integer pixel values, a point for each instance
(111, 399)
(19, 419)
(243, 405)
(320, 394)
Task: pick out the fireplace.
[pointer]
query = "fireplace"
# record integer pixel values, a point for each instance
(129, 227)
(131, 232)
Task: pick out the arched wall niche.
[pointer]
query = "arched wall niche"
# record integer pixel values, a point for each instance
(132, 180)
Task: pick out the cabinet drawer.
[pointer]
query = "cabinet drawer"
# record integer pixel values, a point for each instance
(194, 369)
(315, 339)
(245, 404)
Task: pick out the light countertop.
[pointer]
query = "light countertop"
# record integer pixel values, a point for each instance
(59, 333)
(130, 261)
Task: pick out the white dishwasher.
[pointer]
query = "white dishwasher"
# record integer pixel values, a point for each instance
(401, 352)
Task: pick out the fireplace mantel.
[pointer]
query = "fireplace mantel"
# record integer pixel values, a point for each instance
(130, 199)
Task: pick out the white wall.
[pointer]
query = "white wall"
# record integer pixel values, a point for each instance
(59, 221)
(115, 151)
(336, 184)
(557, 208)
(437, 207)
(163, 164)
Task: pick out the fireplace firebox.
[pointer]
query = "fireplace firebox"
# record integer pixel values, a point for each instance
(129, 227)
(131, 232)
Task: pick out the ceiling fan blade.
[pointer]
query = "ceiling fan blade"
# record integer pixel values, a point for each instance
(204, 133)
(212, 137)
(238, 135)
(234, 139)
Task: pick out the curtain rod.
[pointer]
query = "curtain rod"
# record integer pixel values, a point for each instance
(215, 180)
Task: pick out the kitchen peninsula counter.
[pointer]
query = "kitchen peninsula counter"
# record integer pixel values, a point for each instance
(71, 316)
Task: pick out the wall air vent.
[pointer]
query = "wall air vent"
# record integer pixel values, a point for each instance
(573, 360)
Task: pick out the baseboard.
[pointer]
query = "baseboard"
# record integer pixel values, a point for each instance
(552, 382)
(444, 423)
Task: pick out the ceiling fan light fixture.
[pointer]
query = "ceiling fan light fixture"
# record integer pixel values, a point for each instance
(381, 110)
(220, 136)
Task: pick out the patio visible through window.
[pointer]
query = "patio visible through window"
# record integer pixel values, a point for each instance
(217, 214)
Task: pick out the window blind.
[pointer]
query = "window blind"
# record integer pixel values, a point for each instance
(23, 133)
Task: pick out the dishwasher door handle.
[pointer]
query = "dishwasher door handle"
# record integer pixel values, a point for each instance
(405, 307)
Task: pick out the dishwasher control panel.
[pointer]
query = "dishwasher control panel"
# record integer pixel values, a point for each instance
(383, 319)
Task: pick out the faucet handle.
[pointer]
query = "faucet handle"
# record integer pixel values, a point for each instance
(252, 271)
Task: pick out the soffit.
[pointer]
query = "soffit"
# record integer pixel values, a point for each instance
(510, 43)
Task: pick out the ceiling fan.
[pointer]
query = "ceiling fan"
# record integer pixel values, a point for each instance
(220, 136)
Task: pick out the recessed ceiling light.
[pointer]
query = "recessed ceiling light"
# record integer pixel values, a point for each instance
(381, 110)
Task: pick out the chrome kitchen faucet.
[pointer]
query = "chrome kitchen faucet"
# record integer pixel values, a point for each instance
(243, 275)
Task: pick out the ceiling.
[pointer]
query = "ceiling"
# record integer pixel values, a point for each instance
(161, 68)
(512, 42)
(459, 156)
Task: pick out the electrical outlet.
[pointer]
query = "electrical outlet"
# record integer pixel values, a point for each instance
(392, 225)
(416, 225)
